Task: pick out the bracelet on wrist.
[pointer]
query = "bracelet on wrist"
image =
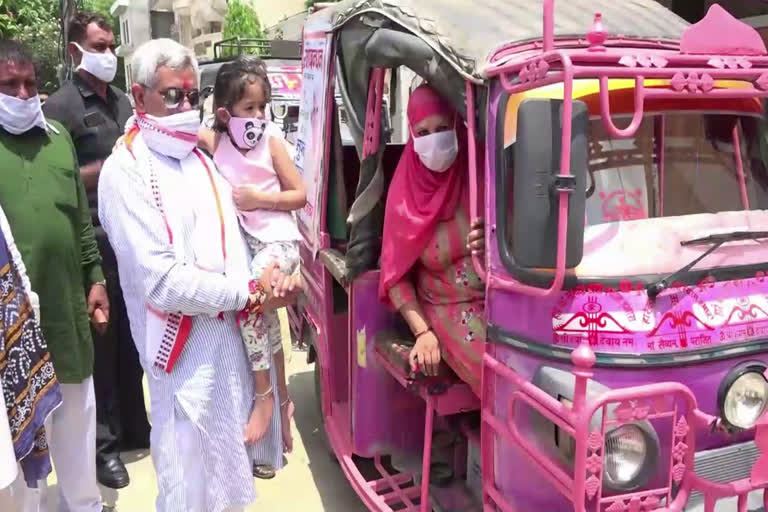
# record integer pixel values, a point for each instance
(263, 396)
(422, 333)
(256, 296)
(102, 283)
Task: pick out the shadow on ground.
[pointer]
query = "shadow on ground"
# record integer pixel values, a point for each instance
(335, 492)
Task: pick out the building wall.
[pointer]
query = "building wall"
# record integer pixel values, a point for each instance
(140, 21)
(272, 12)
(198, 24)
(290, 29)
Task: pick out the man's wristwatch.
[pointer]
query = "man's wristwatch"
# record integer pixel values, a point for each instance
(103, 283)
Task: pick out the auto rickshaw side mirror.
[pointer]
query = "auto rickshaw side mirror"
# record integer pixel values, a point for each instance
(538, 182)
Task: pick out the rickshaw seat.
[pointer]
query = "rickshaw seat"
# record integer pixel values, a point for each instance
(446, 392)
(396, 349)
(336, 264)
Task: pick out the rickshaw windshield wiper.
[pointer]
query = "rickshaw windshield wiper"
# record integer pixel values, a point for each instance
(655, 288)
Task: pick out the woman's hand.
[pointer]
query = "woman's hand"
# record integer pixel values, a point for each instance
(476, 237)
(248, 198)
(425, 355)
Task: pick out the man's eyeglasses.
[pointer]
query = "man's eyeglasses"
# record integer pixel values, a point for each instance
(174, 97)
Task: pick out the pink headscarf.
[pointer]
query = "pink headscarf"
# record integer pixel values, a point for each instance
(419, 198)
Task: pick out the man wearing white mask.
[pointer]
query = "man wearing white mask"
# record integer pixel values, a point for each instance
(47, 209)
(184, 272)
(95, 112)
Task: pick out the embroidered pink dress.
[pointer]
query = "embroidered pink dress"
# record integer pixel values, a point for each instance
(451, 295)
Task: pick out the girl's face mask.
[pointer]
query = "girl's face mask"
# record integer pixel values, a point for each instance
(246, 132)
(437, 151)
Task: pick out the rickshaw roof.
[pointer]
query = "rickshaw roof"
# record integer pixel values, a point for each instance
(468, 33)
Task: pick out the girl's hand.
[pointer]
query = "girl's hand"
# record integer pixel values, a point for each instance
(425, 355)
(284, 285)
(476, 237)
(248, 198)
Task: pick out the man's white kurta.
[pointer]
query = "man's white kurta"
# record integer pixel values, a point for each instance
(200, 409)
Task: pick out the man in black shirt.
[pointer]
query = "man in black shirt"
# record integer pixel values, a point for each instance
(95, 114)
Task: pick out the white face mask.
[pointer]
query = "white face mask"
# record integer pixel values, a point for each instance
(174, 136)
(437, 151)
(101, 65)
(18, 116)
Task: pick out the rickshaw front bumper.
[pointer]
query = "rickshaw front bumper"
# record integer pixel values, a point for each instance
(723, 466)
(727, 479)
(683, 480)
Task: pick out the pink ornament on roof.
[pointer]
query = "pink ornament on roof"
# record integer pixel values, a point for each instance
(719, 33)
(597, 34)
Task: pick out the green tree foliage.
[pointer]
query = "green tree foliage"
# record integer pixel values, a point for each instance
(241, 21)
(35, 23)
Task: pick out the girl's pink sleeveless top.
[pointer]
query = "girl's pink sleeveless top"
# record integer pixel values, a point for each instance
(256, 168)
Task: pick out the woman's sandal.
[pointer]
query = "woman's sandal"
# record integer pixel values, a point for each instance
(264, 471)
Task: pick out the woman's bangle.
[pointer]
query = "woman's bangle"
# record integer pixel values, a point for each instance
(422, 333)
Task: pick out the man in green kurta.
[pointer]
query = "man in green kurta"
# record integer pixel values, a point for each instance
(47, 209)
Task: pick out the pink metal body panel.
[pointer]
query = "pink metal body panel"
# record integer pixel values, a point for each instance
(683, 422)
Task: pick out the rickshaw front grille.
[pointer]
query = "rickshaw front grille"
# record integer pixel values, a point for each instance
(723, 465)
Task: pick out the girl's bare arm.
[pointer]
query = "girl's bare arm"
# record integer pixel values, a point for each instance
(293, 195)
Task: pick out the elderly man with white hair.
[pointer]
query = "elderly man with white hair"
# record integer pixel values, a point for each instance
(184, 272)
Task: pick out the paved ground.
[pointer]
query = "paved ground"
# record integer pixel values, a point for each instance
(312, 481)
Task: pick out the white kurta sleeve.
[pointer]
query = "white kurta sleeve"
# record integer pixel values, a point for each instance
(137, 233)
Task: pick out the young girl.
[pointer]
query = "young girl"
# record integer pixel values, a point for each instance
(251, 154)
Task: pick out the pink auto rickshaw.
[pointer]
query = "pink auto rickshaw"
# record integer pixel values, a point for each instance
(619, 158)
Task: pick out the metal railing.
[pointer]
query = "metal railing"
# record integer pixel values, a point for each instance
(265, 48)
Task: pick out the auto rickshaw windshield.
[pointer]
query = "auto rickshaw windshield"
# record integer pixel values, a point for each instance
(685, 173)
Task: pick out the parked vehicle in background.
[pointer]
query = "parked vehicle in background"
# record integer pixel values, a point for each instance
(283, 60)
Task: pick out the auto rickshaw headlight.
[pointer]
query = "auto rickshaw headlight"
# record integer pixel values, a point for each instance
(743, 395)
(626, 456)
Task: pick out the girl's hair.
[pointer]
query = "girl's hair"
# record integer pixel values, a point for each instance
(231, 81)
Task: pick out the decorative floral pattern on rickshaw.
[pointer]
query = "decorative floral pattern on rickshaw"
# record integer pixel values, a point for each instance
(681, 318)
(593, 321)
(680, 451)
(635, 504)
(623, 205)
(759, 474)
(594, 464)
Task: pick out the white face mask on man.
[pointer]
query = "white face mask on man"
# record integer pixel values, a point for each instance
(18, 116)
(437, 151)
(174, 135)
(101, 65)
